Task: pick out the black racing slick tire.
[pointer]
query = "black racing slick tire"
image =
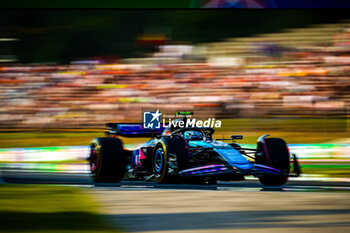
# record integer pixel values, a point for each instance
(278, 157)
(169, 152)
(107, 160)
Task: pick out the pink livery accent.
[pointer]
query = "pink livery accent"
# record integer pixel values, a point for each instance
(142, 155)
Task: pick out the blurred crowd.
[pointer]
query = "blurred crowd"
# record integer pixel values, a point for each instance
(277, 82)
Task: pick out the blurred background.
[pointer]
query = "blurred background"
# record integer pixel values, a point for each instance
(64, 74)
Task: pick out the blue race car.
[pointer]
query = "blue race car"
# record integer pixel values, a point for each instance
(189, 155)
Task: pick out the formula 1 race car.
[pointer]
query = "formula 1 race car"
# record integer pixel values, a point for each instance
(188, 155)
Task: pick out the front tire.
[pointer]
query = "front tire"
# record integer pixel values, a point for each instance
(169, 150)
(160, 163)
(107, 160)
(277, 157)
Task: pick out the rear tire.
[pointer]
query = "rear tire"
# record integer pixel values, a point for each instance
(278, 157)
(107, 160)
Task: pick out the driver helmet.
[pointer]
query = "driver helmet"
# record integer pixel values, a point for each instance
(193, 135)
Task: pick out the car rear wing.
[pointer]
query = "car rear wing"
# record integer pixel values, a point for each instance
(135, 130)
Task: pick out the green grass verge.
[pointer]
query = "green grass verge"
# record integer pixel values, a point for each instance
(50, 209)
(50, 162)
(342, 171)
(44, 139)
(292, 130)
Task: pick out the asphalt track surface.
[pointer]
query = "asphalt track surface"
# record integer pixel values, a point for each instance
(243, 206)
